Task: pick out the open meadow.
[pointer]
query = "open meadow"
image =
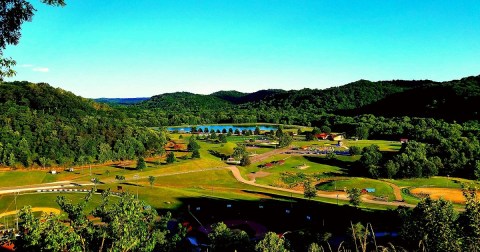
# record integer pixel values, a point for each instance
(174, 186)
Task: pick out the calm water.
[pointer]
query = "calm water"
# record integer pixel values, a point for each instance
(226, 127)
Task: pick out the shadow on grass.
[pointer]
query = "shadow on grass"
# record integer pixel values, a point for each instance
(131, 184)
(347, 168)
(282, 213)
(218, 154)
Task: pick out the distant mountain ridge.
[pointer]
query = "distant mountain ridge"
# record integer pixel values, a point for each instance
(122, 101)
(240, 98)
(420, 98)
(451, 100)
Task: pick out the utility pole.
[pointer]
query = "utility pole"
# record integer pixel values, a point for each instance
(16, 209)
(136, 178)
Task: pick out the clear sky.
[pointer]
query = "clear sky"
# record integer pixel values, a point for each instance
(136, 48)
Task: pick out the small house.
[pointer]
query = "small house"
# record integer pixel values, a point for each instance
(322, 136)
(336, 137)
(232, 161)
(403, 140)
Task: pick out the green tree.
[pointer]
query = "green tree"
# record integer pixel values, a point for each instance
(476, 170)
(195, 154)
(225, 239)
(171, 157)
(413, 161)
(370, 160)
(391, 169)
(309, 190)
(284, 140)
(314, 248)
(11, 160)
(192, 144)
(470, 220)
(130, 225)
(46, 233)
(432, 224)
(362, 132)
(245, 161)
(271, 243)
(213, 135)
(354, 196)
(239, 151)
(279, 132)
(354, 150)
(43, 162)
(141, 164)
(151, 180)
(326, 129)
(257, 131)
(222, 138)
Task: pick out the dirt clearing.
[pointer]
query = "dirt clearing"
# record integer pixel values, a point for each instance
(451, 194)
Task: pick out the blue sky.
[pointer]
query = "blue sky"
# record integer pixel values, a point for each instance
(142, 48)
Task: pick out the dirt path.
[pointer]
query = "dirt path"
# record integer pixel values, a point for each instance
(34, 209)
(396, 190)
(238, 177)
(263, 156)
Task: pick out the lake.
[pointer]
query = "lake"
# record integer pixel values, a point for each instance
(226, 127)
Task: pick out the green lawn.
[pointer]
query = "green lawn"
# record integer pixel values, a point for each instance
(381, 189)
(291, 165)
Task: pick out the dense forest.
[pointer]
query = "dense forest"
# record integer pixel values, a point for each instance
(451, 101)
(43, 126)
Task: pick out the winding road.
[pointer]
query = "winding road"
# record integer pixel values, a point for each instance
(238, 177)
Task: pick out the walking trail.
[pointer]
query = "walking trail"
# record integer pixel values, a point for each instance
(238, 177)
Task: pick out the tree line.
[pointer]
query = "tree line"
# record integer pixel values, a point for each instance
(128, 224)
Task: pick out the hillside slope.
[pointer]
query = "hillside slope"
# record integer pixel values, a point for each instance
(185, 102)
(453, 100)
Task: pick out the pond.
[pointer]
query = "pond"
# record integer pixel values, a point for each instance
(226, 127)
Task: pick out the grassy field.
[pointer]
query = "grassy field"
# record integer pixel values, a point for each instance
(188, 179)
(292, 164)
(381, 189)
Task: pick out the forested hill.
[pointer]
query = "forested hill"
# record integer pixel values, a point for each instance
(453, 100)
(45, 98)
(350, 96)
(180, 102)
(353, 95)
(45, 126)
(240, 98)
